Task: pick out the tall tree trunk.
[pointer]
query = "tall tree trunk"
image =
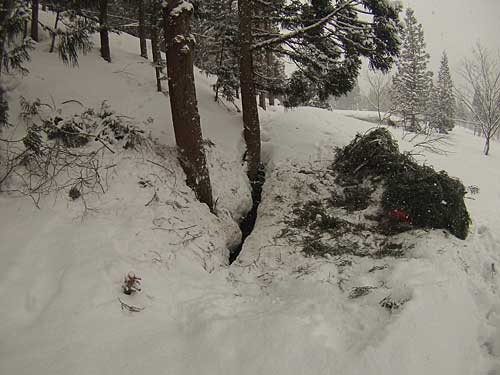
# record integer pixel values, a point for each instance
(262, 100)
(142, 29)
(104, 30)
(25, 29)
(53, 42)
(34, 20)
(487, 145)
(184, 106)
(155, 48)
(5, 13)
(251, 126)
(270, 68)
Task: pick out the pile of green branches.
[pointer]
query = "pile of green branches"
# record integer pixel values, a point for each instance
(431, 199)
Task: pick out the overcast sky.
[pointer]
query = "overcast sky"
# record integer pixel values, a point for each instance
(455, 25)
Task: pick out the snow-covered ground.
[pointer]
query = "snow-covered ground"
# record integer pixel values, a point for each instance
(273, 311)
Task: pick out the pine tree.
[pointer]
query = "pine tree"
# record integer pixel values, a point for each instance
(183, 103)
(412, 81)
(444, 99)
(75, 35)
(14, 51)
(216, 27)
(324, 38)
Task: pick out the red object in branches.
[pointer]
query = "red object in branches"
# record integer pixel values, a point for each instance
(401, 216)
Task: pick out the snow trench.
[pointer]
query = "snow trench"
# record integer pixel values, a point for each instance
(248, 223)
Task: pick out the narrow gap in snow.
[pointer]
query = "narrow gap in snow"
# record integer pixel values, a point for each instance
(248, 222)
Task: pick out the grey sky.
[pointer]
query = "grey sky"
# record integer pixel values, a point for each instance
(455, 25)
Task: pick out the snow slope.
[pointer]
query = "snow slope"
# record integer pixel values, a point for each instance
(271, 312)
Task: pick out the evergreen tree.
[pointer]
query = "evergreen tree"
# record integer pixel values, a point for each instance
(443, 98)
(324, 38)
(216, 27)
(185, 117)
(412, 82)
(14, 50)
(76, 34)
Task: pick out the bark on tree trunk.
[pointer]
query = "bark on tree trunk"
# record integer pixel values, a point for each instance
(487, 146)
(262, 100)
(142, 30)
(34, 20)
(156, 55)
(25, 29)
(184, 107)
(270, 66)
(251, 126)
(272, 100)
(5, 12)
(103, 21)
(53, 42)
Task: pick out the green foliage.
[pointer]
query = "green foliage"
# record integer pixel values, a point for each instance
(353, 198)
(431, 199)
(102, 125)
(14, 48)
(412, 82)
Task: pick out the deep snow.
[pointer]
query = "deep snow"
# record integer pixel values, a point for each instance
(271, 312)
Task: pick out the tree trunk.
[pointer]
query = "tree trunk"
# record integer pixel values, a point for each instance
(262, 100)
(184, 106)
(5, 13)
(251, 126)
(25, 30)
(53, 42)
(487, 146)
(103, 21)
(156, 54)
(142, 30)
(34, 20)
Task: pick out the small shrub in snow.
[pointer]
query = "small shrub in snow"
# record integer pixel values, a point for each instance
(74, 193)
(360, 291)
(131, 284)
(392, 304)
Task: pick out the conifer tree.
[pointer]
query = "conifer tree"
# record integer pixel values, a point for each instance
(412, 80)
(216, 27)
(14, 51)
(185, 117)
(324, 38)
(444, 98)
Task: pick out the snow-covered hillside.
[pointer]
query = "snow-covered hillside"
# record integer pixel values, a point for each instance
(273, 311)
